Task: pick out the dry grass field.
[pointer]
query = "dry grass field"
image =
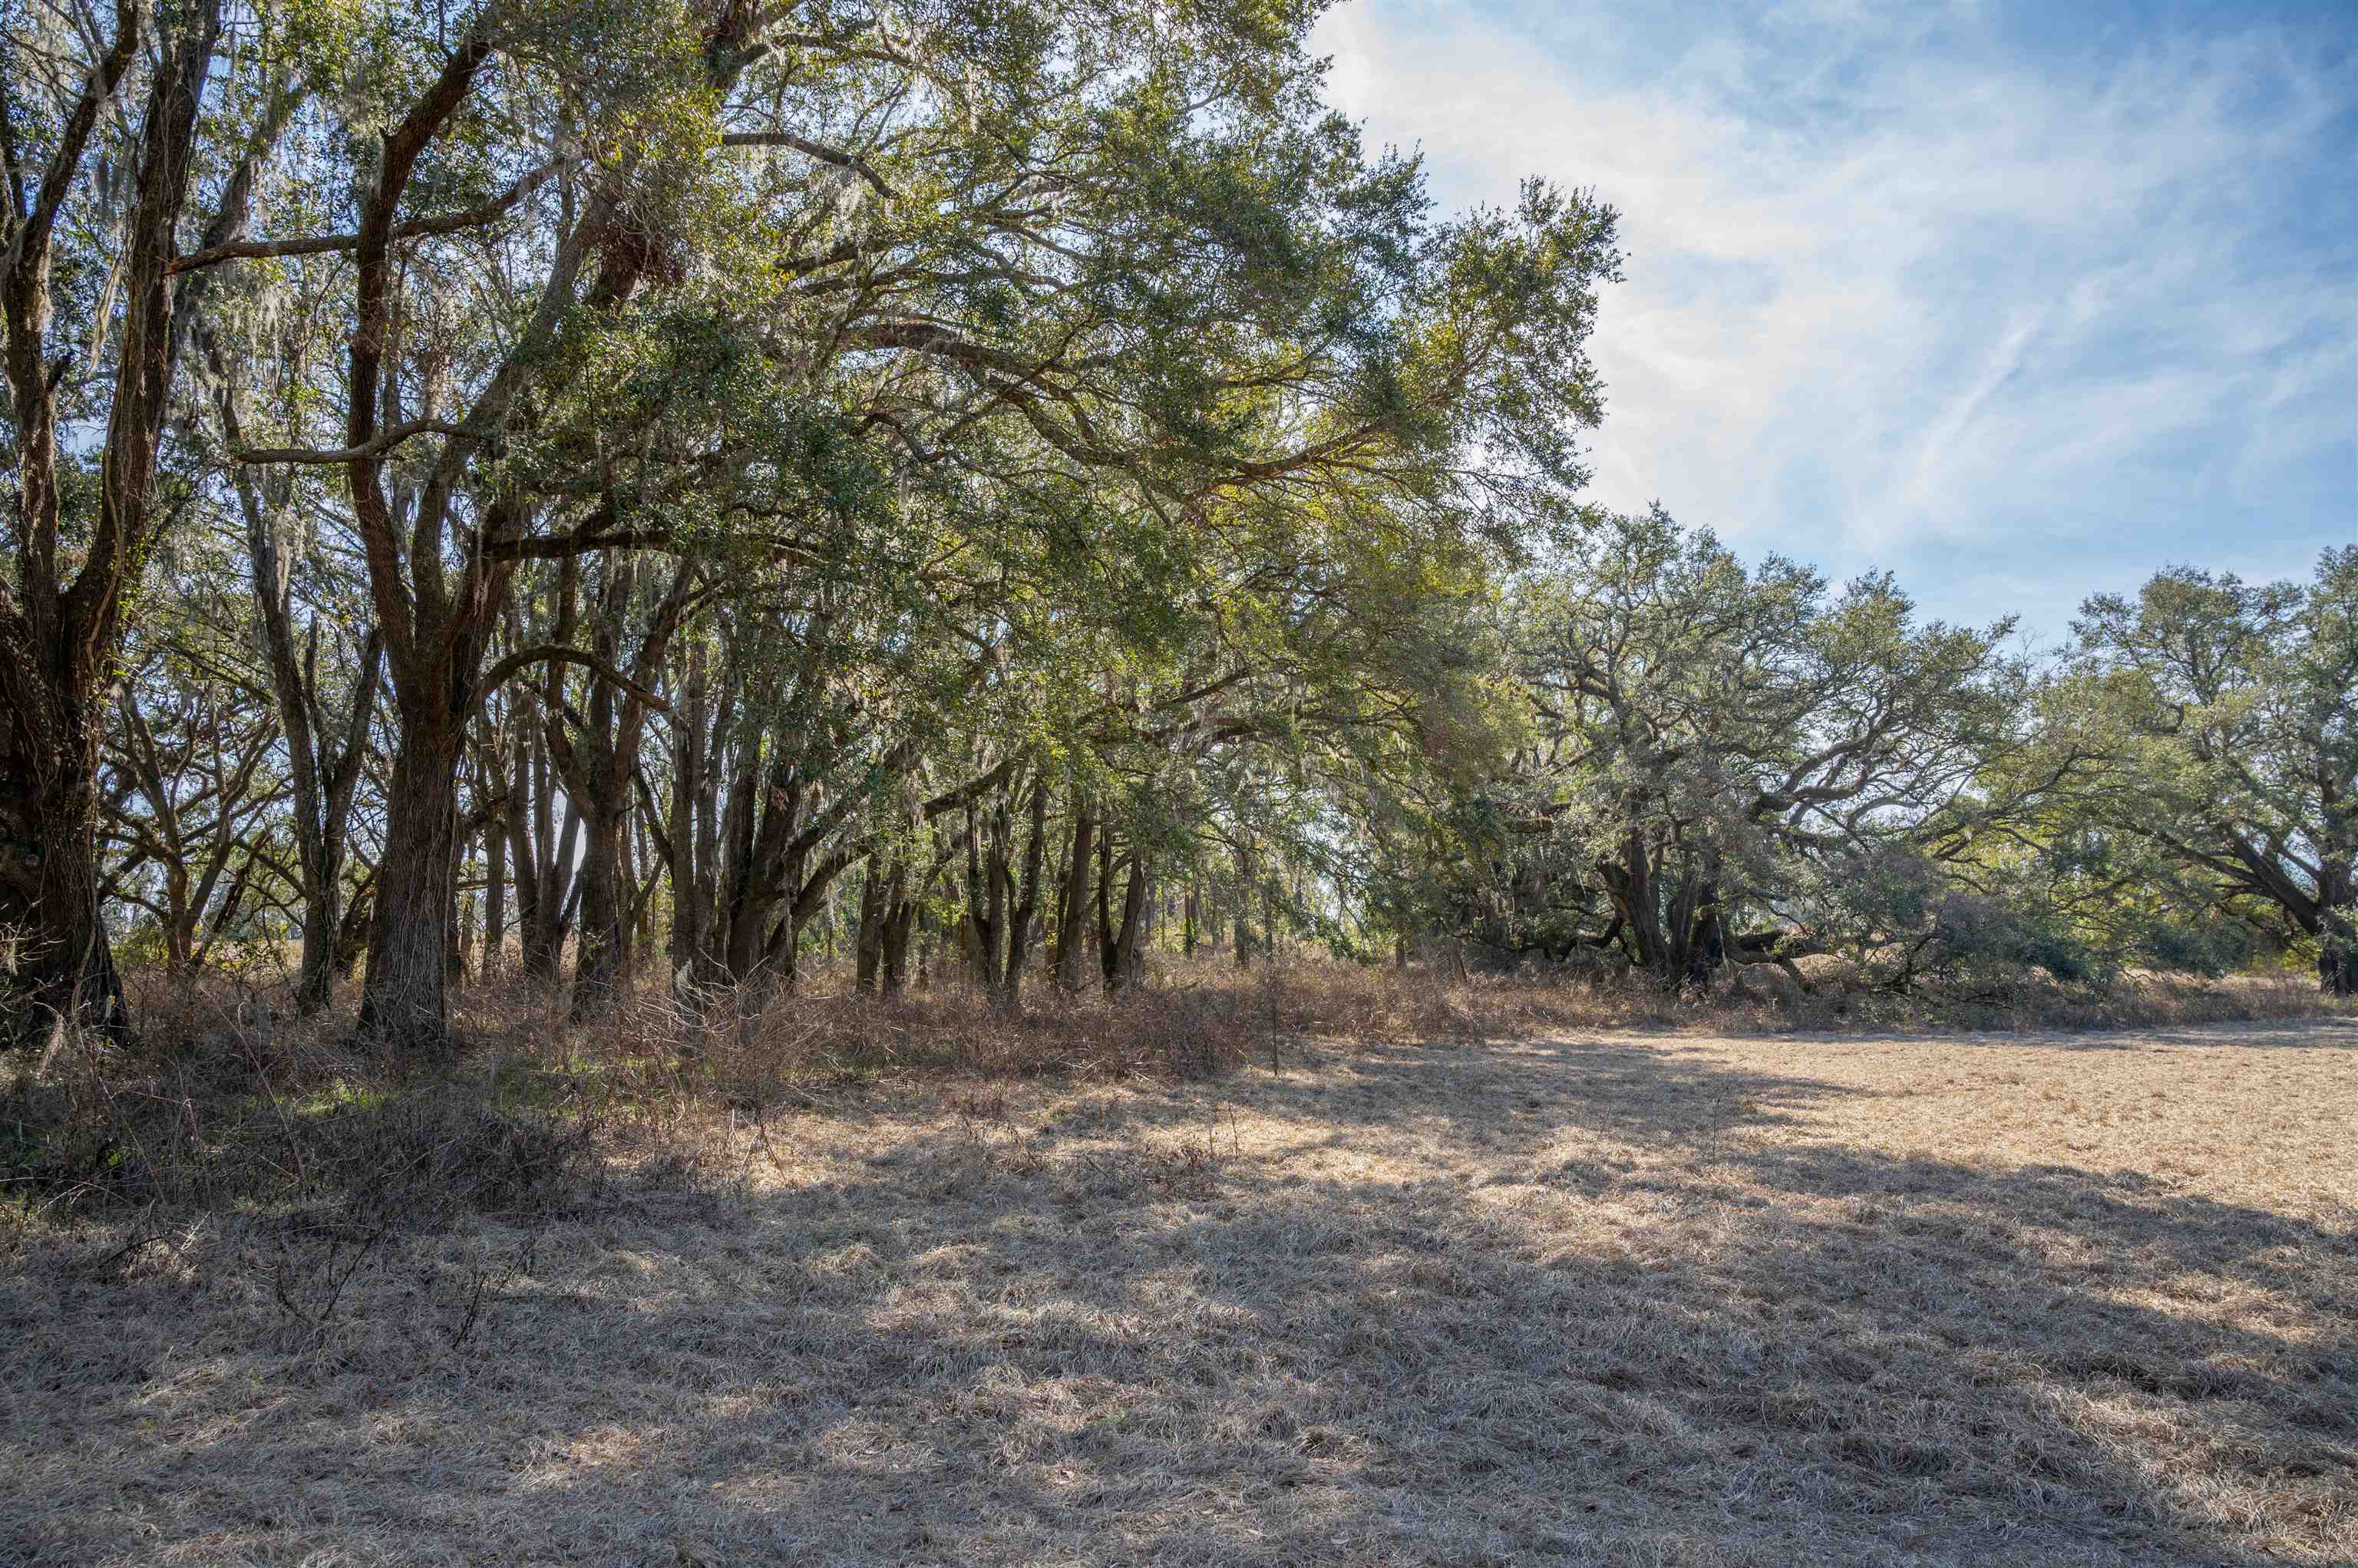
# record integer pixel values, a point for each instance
(1641, 1298)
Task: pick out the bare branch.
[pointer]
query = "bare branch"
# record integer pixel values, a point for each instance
(498, 674)
(384, 441)
(826, 155)
(320, 244)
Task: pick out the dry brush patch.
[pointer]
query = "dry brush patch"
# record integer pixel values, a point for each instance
(1203, 1017)
(1600, 1299)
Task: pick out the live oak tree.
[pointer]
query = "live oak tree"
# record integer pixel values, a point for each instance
(1712, 747)
(2226, 717)
(113, 136)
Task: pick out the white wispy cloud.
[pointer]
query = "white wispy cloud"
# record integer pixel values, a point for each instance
(1901, 295)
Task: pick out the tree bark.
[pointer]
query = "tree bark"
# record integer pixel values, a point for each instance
(695, 837)
(405, 1005)
(495, 887)
(1244, 909)
(1075, 923)
(1125, 956)
(59, 641)
(899, 924)
(868, 942)
(599, 762)
(1023, 905)
(61, 970)
(598, 949)
(987, 899)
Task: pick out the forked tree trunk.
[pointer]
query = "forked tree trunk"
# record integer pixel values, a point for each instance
(544, 857)
(780, 963)
(58, 639)
(1125, 955)
(599, 764)
(353, 926)
(315, 982)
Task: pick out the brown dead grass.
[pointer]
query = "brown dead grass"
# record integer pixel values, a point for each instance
(1668, 1298)
(1208, 1017)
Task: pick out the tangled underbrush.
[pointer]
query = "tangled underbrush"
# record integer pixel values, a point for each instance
(179, 1125)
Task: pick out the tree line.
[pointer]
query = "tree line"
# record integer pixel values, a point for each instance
(684, 480)
(1722, 766)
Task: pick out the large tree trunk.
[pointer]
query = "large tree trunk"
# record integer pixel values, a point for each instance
(695, 828)
(1707, 947)
(900, 923)
(599, 764)
(315, 968)
(495, 907)
(404, 1004)
(868, 941)
(2337, 902)
(55, 958)
(986, 898)
(1074, 925)
(600, 949)
(1023, 904)
(765, 808)
(2337, 952)
(886, 913)
(1636, 894)
(1125, 956)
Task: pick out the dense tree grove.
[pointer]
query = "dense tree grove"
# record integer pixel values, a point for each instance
(637, 491)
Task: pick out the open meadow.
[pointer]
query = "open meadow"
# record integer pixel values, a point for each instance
(1657, 1297)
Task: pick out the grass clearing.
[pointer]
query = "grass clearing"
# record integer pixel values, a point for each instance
(1605, 1298)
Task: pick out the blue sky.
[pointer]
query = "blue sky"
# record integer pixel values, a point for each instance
(2022, 301)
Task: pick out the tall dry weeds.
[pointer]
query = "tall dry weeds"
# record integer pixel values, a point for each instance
(223, 1100)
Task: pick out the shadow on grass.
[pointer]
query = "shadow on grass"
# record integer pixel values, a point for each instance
(2327, 1033)
(1417, 1332)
